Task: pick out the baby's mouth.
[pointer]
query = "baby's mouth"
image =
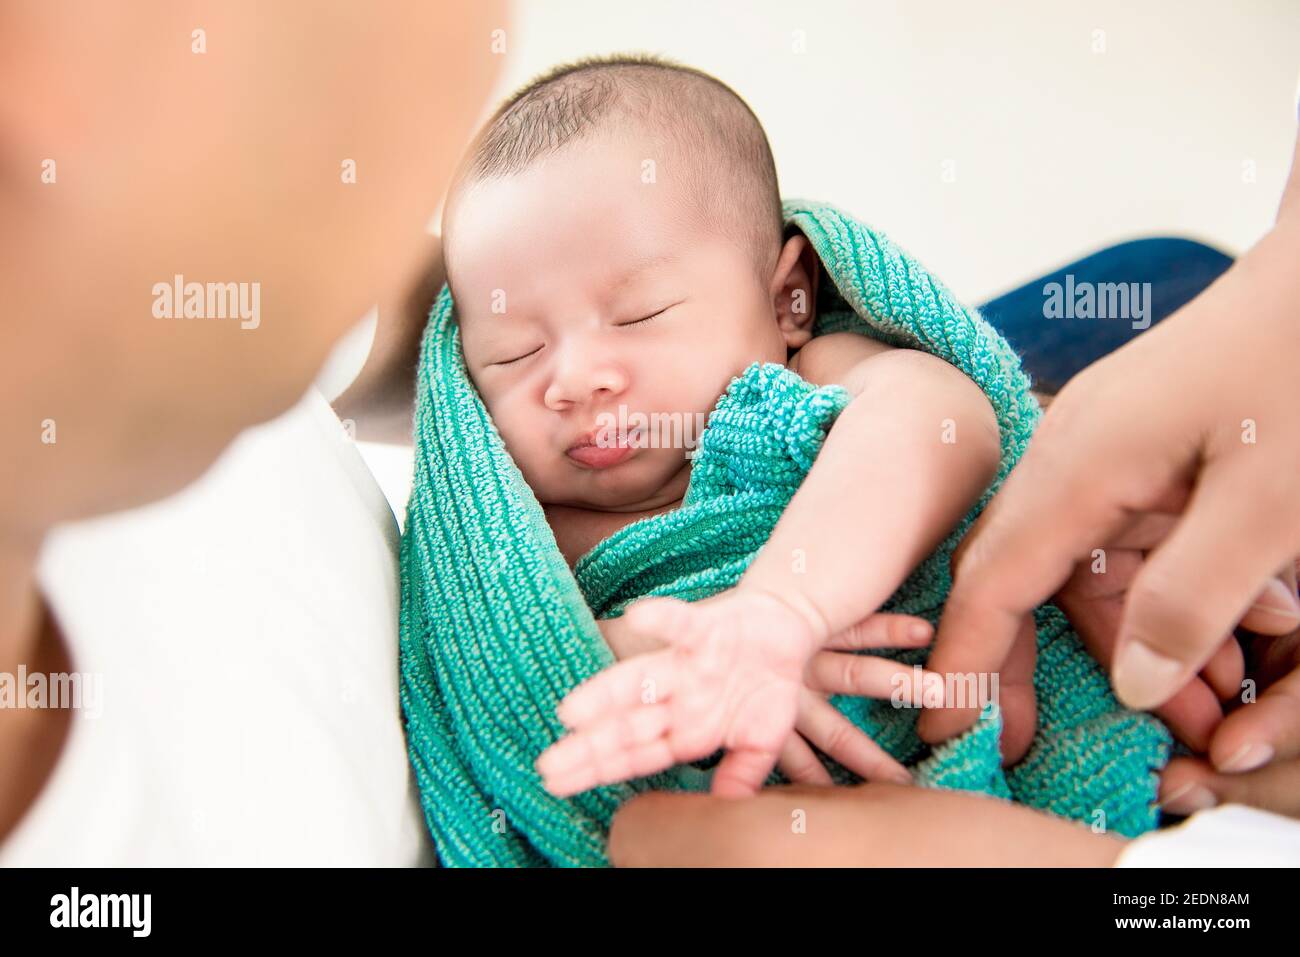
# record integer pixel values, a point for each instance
(598, 450)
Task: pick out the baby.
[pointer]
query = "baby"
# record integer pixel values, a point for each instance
(614, 245)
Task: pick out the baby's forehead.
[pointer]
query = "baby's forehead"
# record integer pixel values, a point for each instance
(608, 168)
(564, 216)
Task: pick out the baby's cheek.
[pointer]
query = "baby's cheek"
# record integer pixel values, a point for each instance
(526, 445)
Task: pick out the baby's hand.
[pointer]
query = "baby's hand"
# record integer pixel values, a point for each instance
(839, 669)
(731, 678)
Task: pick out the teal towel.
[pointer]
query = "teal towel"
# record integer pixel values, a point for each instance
(496, 630)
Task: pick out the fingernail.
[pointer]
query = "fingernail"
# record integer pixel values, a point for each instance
(1189, 799)
(1143, 678)
(902, 777)
(919, 632)
(1278, 599)
(1249, 758)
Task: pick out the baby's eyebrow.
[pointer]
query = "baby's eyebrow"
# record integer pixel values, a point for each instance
(641, 265)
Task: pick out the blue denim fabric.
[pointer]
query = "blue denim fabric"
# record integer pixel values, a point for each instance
(1053, 350)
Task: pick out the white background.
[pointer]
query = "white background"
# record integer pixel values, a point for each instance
(1055, 147)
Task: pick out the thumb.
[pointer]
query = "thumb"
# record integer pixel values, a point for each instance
(669, 619)
(1195, 587)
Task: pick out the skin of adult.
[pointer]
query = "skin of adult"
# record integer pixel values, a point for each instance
(1178, 452)
(209, 141)
(872, 825)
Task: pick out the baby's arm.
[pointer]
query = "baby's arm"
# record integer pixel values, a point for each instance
(905, 460)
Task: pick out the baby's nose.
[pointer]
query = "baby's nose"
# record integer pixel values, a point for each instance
(583, 379)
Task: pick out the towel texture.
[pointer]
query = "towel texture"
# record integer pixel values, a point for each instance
(496, 629)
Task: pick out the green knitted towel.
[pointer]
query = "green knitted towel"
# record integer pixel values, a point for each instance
(495, 628)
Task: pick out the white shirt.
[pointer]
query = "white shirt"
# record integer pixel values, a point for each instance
(245, 635)
(1229, 836)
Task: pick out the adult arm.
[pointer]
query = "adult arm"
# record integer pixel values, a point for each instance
(1185, 445)
(380, 399)
(870, 825)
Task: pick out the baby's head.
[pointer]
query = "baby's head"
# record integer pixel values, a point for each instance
(614, 246)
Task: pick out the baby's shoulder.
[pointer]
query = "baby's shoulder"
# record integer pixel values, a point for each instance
(828, 359)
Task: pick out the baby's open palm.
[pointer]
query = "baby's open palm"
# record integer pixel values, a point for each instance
(731, 679)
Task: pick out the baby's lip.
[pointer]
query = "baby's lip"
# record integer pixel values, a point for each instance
(594, 436)
(587, 438)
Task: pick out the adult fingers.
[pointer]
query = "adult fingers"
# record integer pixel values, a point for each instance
(1014, 668)
(1094, 603)
(1272, 659)
(1189, 785)
(1276, 609)
(1262, 731)
(1093, 599)
(1023, 548)
(1225, 670)
(1016, 697)
(1145, 531)
(1054, 508)
(1196, 586)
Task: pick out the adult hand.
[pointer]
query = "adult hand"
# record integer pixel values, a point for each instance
(1257, 748)
(1182, 447)
(1094, 600)
(870, 825)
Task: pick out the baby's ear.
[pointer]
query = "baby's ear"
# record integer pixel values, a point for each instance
(794, 290)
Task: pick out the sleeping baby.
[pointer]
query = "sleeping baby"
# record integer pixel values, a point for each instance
(615, 247)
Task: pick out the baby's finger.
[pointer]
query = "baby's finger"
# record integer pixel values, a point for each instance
(883, 630)
(613, 750)
(643, 680)
(866, 676)
(642, 760)
(668, 619)
(742, 771)
(838, 738)
(800, 764)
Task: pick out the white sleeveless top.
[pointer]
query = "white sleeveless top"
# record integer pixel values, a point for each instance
(244, 636)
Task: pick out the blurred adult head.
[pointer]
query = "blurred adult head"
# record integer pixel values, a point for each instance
(296, 149)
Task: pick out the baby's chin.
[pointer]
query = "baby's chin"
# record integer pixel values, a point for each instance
(632, 486)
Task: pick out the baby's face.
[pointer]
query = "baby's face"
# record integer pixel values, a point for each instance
(583, 292)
